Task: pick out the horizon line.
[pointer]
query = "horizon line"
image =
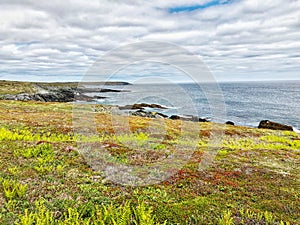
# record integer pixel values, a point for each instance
(130, 82)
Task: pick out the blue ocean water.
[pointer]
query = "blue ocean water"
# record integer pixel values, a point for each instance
(244, 103)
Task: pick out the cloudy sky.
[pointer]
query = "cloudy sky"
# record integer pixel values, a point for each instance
(237, 39)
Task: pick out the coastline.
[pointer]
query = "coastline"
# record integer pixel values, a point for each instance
(41, 153)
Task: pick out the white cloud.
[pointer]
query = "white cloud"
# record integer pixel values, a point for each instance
(66, 37)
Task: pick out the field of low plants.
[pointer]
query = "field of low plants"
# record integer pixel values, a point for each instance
(253, 178)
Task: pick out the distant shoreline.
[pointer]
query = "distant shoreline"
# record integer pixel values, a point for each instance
(54, 92)
(71, 83)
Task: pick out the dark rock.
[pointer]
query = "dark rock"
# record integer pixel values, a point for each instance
(98, 97)
(230, 123)
(203, 120)
(154, 106)
(60, 95)
(266, 124)
(112, 90)
(174, 117)
(143, 113)
(141, 106)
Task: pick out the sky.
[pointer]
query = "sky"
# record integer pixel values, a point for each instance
(236, 39)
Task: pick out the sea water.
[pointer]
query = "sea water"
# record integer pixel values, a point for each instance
(244, 103)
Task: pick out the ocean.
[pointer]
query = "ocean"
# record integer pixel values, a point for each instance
(244, 103)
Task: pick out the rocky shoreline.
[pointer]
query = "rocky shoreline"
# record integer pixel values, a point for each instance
(59, 94)
(264, 124)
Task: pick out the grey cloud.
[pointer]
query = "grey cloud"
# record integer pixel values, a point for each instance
(66, 37)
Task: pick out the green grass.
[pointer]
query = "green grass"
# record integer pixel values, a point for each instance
(122, 215)
(254, 178)
(12, 87)
(13, 189)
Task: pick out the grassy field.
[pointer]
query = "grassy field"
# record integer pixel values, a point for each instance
(254, 178)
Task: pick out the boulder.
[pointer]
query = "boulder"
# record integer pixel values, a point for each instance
(174, 117)
(230, 123)
(266, 124)
(203, 120)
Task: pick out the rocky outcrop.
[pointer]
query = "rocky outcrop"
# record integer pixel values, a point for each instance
(143, 113)
(57, 95)
(266, 124)
(61, 92)
(188, 118)
(60, 95)
(141, 106)
(19, 97)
